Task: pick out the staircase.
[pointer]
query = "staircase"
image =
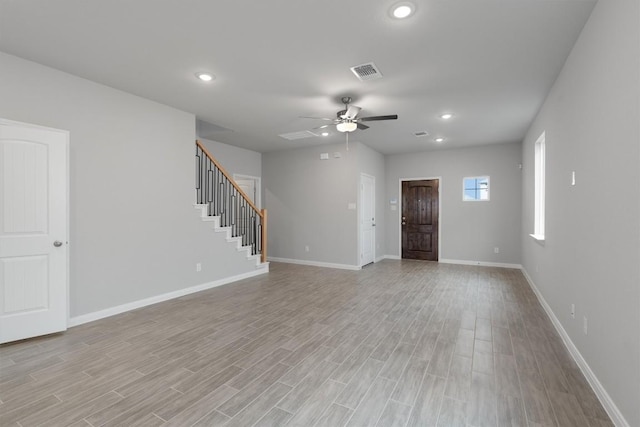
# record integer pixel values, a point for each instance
(222, 203)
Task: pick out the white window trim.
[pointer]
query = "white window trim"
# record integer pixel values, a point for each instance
(488, 188)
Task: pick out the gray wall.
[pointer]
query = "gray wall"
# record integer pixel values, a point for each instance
(469, 230)
(591, 255)
(134, 232)
(235, 159)
(307, 200)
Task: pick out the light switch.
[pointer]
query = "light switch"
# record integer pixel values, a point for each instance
(573, 177)
(324, 156)
(351, 206)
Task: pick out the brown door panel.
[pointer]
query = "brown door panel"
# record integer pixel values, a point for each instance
(420, 219)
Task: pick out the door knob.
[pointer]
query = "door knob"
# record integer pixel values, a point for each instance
(57, 243)
(404, 223)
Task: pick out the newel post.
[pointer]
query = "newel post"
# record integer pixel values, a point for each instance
(263, 235)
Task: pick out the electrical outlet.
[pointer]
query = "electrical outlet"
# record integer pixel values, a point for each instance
(198, 267)
(584, 325)
(306, 248)
(573, 311)
(496, 250)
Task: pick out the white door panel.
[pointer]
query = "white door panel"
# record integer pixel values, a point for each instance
(367, 219)
(33, 210)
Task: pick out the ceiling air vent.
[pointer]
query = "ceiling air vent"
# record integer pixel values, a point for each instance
(421, 133)
(298, 135)
(367, 71)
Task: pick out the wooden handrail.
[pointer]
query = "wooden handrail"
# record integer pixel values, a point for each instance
(262, 213)
(228, 176)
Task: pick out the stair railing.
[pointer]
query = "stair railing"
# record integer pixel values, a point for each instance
(225, 199)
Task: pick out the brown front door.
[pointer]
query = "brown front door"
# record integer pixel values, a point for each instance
(420, 219)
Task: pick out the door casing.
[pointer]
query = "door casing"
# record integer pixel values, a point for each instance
(400, 181)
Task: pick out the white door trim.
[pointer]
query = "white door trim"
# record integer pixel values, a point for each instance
(439, 178)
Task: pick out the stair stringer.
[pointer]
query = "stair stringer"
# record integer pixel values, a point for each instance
(235, 242)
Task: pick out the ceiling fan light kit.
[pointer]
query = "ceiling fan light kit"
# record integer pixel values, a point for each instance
(346, 126)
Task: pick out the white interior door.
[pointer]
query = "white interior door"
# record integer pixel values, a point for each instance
(367, 219)
(250, 185)
(33, 230)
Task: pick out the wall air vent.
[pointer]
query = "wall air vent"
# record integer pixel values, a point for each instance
(368, 71)
(298, 135)
(421, 133)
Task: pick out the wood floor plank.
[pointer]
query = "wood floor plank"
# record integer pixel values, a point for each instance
(350, 366)
(510, 411)
(427, 405)
(483, 403)
(334, 416)
(453, 413)
(260, 406)
(399, 341)
(276, 417)
(306, 388)
(459, 379)
(189, 415)
(373, 403)
(409, 384)
(395, 414)
(245, 396)
(310, 413)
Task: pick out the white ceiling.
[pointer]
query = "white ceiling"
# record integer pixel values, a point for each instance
(490, 62)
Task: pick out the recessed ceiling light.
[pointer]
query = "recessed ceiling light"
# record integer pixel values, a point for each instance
(403, 10)
(205, 77)
(325, 134)
(446, 116)
(439, 139)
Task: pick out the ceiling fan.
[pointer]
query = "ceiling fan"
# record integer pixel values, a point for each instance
(347, 120)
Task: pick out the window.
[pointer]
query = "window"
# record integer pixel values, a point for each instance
(475, 188)
(538, 215)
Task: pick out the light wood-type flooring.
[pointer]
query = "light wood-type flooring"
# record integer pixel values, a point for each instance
(400, 343)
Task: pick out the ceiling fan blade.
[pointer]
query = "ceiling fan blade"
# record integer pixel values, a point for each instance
(362, 126)
(315, 118)
(376, 118)
(352, 112)
(322, 127)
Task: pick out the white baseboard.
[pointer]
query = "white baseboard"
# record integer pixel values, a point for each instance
(480, 263)
(315, 263)
(112, 311)
(608, 404)
(380, 258)
(391, 257)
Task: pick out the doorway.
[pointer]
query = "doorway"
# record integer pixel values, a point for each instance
(250, 185)
(420, 218)
(33, 231)
(367, 219)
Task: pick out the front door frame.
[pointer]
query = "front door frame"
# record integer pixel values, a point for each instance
(401, 180)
